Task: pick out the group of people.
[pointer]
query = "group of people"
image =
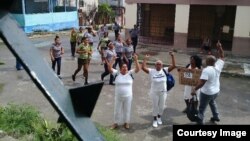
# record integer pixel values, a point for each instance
(122, 53)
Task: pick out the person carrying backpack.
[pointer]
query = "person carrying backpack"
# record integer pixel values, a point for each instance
(158, 90)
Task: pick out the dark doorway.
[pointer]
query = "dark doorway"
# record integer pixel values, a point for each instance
(157, 23)
(214, 22)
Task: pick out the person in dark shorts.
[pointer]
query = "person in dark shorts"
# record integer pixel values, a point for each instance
(84, 50)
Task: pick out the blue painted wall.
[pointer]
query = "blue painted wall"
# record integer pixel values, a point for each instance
(47, 21)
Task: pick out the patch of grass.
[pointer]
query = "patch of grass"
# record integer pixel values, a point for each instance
(1, 63)
(18, 120)
(1, 87)
(109, 135)
(25, 123)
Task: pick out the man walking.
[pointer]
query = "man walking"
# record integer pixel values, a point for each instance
(210, 85)
(134, 36)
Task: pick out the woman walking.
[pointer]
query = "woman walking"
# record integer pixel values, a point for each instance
(56, 52)
(84, 51)
(73, 39)
(108, 55)
(128, 52)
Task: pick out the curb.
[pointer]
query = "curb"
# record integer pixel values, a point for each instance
(225, 73)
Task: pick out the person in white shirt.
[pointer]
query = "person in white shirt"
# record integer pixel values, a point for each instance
(210, 85)
(123, 91)
(158, 90)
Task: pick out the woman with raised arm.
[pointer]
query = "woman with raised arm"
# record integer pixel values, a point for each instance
(123, 91)
(158, 90)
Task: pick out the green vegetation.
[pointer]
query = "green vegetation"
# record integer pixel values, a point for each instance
(1, 87)
(109, 135)
(1, 63)
(25, 123)
(105, 13)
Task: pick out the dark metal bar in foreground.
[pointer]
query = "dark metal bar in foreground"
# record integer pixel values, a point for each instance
(75, 106)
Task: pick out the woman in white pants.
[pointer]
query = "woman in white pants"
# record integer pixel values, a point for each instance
(158, 90)
(123, 91)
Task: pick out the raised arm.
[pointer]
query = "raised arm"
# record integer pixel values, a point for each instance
(110, 64)
(144, 64)
(137, 65)
(220, 50)
(170, 68)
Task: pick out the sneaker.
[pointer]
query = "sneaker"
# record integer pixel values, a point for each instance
(159, 121)
(86, 83)
(73, 78)
(111, 84)
(212, 119)
(155, 124)
(59, 77)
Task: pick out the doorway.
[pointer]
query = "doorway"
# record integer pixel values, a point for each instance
(214, 22)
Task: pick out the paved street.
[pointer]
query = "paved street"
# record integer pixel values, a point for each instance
(233, 102)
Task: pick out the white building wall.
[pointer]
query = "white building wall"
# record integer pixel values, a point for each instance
(130, 15)
(242, 22)
(181, 18)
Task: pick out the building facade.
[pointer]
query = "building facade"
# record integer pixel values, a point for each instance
(86, 11)
(119, 8)
(184, 24)
(45, 15)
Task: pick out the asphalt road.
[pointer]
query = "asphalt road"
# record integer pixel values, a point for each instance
(233, 102)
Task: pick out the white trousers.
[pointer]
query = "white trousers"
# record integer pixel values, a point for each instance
(158, 100)
(122, 109)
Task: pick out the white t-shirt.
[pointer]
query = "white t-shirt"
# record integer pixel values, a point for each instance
(158, 80)
(212, 75)
(123, 83)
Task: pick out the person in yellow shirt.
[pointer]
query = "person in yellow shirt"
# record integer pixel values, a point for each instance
(85, 51)
(73, 39)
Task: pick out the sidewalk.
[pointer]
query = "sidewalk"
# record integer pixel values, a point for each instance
(233, 102)
(234, 65)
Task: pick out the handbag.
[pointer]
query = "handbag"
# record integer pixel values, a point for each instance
(192, 111)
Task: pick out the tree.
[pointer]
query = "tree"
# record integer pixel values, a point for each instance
(105, 13)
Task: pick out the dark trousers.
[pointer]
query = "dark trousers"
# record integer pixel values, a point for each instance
(134, 42)
(58, 62)
(128, 62)
(73, 48)
(18, 65)
(106, 72)
(118, 60)
(116, 33)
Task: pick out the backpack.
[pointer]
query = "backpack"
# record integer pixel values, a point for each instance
(192, 112)
(170, 80)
